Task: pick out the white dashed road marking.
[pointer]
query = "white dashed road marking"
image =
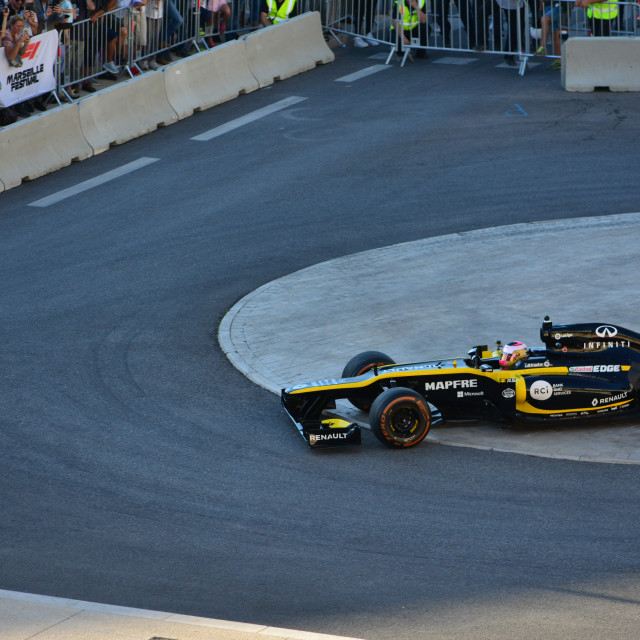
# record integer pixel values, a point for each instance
(250, 117)
(93, 182)
(358, 75)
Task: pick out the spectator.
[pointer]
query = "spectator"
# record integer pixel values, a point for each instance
(471, 14)
(119, 25)
(83, 35)
(108, 27)
(5, 17)
(40, 9)
(172, 22)
(410, 19)
(71, 52)
(441, 14)
(254, 13)
(210, 10)
(8, 115)
(19, 8)
(15, 42)
(276, 11)
(550, 24)
(154, 13)
(363, 11)
(601, 15)
(515, 13)
(139, 21)
(484, 13)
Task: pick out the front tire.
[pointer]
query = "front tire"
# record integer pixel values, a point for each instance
(360, 364)
(400, 417)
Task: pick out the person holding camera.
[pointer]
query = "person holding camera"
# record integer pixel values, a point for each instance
(15, 42)
(25, 10)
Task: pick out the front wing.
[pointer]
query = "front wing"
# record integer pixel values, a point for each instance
(328, 432)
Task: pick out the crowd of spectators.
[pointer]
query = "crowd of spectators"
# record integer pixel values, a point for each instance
(99, 37)
(508, 26)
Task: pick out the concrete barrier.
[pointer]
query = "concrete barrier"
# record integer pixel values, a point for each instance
(588, 63)
(41, 144)
(286, 49)
(209, 78)
(125, 111)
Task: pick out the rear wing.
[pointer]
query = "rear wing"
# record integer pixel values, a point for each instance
(587, 337)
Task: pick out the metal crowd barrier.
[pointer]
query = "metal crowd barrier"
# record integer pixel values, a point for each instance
(513, 28)
(133, 40)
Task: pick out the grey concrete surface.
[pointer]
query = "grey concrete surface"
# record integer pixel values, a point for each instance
(424, 300)
(24, 616)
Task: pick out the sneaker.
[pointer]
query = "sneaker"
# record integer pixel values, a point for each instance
(39, 105)
(153, 65)
(111, 68)
(541, 51)
(162, 60)
(371, 41)
(73, 92)
(556, 65)
(144, 65)
(88, 87)
(510, 60)
(360, 42)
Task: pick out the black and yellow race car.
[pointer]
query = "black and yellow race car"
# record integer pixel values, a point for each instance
(584, 371)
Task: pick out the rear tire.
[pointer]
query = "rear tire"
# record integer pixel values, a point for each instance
(360, 364)
(400, 417)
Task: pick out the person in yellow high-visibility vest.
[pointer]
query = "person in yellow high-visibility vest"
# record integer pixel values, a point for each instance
(410, 17)
(275, 11)
(600, 15)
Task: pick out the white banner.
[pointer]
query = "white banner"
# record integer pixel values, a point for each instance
(36, 75)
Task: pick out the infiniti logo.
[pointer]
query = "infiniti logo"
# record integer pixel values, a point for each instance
(606, 331)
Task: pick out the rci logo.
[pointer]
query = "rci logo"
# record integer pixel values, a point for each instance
(540, 390)
(30, 53)
(606, 331)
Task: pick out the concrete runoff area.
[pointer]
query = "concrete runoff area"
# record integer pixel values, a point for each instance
(25, 615)
(437, 298)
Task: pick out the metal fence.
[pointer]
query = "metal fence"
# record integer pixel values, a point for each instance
(517, 29)
(131, 40)
(134, 39)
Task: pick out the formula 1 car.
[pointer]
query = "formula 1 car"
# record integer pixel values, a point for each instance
(584, 371)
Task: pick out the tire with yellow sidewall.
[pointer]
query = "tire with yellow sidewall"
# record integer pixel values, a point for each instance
(400, 417)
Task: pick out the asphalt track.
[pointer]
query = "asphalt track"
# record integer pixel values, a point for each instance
(141, 469)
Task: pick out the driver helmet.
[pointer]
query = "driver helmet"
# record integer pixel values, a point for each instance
(512, 352)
